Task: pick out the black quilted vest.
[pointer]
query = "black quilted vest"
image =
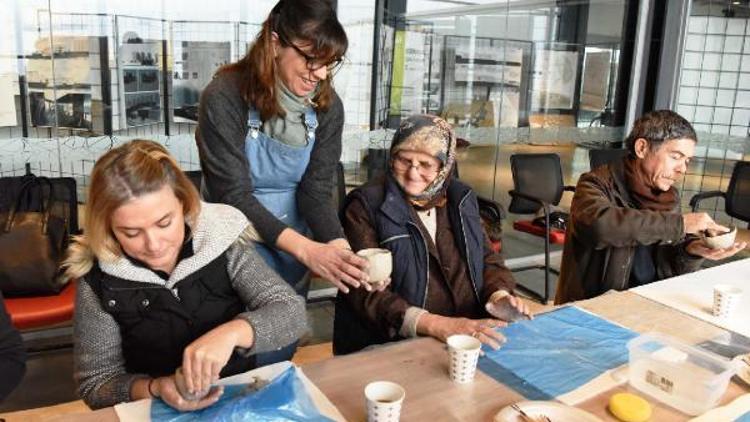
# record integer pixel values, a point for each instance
(156, 323)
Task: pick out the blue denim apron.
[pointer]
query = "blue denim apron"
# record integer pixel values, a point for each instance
(276, 170)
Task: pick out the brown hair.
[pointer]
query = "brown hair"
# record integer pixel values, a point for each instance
(131, 170)
(308, 21)
(659, 126)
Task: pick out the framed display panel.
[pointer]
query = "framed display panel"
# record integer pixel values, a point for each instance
(493, 73)
(555, 74)
(8, 71)
(381, 97)
(198, 62)
(433, 85)
(199, 49)
(408, 73)
(63, 97)
(140, 71)
(596, 79)
(8, 86)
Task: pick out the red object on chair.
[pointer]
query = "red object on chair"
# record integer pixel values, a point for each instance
(41, 311)
(555, 235)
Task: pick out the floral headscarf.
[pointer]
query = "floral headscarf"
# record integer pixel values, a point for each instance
(433, 136)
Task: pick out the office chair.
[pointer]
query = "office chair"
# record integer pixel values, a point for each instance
(538, 184)
(737, 196)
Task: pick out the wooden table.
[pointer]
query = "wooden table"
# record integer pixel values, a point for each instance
(421, 367)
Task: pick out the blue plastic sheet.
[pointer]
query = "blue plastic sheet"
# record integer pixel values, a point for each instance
(284, 399)
(556, 352)
(744, 418)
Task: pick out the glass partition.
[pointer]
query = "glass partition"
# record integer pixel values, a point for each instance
(512, 76)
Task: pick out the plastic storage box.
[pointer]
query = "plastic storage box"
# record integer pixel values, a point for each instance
(689, 379)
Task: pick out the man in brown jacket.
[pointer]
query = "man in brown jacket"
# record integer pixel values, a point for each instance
(625, 225)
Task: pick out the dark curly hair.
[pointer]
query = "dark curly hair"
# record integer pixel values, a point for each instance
(309, 21)
(658, 126)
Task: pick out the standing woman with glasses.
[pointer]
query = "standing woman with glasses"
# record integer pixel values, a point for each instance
(446, 278)
(269, 137)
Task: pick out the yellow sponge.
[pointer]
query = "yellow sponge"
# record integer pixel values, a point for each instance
(629, 407)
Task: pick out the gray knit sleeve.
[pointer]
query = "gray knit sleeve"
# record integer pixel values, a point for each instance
(99, 366)
(276, 313)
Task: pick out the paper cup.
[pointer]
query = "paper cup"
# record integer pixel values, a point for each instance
(381, 263)
(726, 299)
(463, 352)
(384, 400)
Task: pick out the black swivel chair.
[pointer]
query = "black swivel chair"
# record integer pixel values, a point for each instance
(737, 196)
(537, 184)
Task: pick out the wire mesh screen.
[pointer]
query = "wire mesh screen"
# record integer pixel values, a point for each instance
(76, 155)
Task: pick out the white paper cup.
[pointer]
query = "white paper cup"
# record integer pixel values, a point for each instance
(381, 263)
(463, 352)
(384, 400)
(726, 299)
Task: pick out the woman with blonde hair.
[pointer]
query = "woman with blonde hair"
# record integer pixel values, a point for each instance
(166, 281)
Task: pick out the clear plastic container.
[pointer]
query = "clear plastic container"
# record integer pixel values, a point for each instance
(687, 378)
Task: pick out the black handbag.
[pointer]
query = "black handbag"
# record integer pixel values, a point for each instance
(64, 198)
(32, 244)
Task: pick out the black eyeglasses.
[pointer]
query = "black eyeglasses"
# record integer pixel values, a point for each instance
(312, 62)
(424, 168)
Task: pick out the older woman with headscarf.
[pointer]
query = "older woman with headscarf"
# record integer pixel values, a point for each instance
(445, 275)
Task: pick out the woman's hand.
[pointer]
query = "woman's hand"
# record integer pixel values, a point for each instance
(166, 388)
(442, 327)
(204, 358)
(335, 262)
(377, 286)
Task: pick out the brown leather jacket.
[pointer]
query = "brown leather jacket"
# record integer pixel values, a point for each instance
(603, 232)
